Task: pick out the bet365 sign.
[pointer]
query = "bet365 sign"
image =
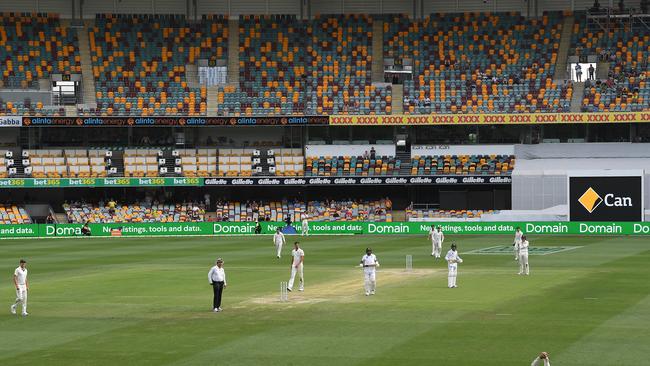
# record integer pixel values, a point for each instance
(606, 198)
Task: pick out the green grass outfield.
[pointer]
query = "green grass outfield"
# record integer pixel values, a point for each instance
(129, 301)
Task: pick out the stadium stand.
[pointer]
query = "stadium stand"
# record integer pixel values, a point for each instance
(57, 163)
(81, 212)
(628, 54)
(463, 164)
(235, 162)
(12, 214)
(141, 162)
(347, 210)
(139, 62)
(414, 214)
(32, 47)
(319, 66)
(338, 72)
(479, 63)
(271, 60)
(352, 165)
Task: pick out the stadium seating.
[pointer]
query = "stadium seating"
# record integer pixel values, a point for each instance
(73, 163)
(351, 165)
(139, 62)
(235, 162)
(339, 62)
(379, 210)
(628, 53)
(271, 59)
(419, 214)
(141, 162)
(198, 162)
(34, 46)
(479, 63)
(79, 212)
(463, 164)
(289, 162)
(318, 66)
(27, 108)
(12, 214)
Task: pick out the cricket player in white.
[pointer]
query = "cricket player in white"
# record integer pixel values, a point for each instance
(369, 263)
(437, 237)
(515, 244)
(305, 225)
(278, 240)
(543, 357)
(297, 267)
(523, 256)
(452, 259)
(22, 286)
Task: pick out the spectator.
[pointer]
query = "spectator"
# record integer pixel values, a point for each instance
(427, 101)
(591, 72)
(372, 153)
(50, 219)
(578, 69)
(85, 230)
(111, 206)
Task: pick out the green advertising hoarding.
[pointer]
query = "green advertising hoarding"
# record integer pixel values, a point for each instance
(325, 228)
(98, 182)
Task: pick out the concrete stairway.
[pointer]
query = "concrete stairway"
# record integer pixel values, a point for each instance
(233, 50)
(71, 111)
(212, 101)
(88, 80)
(192, 75)
(602, 70)
(563, 51)
(578, 95)
(398, 99)
(377, 51)
(405, 162)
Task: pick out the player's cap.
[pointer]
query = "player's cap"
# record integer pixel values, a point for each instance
(453, 246)
(368, 249)
(219, 260)
(23, 261)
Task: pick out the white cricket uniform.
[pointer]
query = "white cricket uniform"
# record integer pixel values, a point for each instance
(370, 264)
(305, 225)
(437, 237)
(278, 240)
(523, 258)
(452, 259)
(21, 289)
(537, 362)
(297, 255)
(518, 235)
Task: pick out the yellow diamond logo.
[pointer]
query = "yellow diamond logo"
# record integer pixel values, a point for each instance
(590, 200)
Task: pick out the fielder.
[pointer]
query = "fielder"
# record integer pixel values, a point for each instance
(543, 357)
(279, 240)
(369, 263)
(22, 286)
(452, 259)
(297, 267)
(437, 237)
(523, 256)
(305, 225)
(515, 244)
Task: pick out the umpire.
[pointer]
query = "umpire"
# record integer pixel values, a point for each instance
(217, 278)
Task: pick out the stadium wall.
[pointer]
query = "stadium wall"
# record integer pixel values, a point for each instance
(539, 180)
